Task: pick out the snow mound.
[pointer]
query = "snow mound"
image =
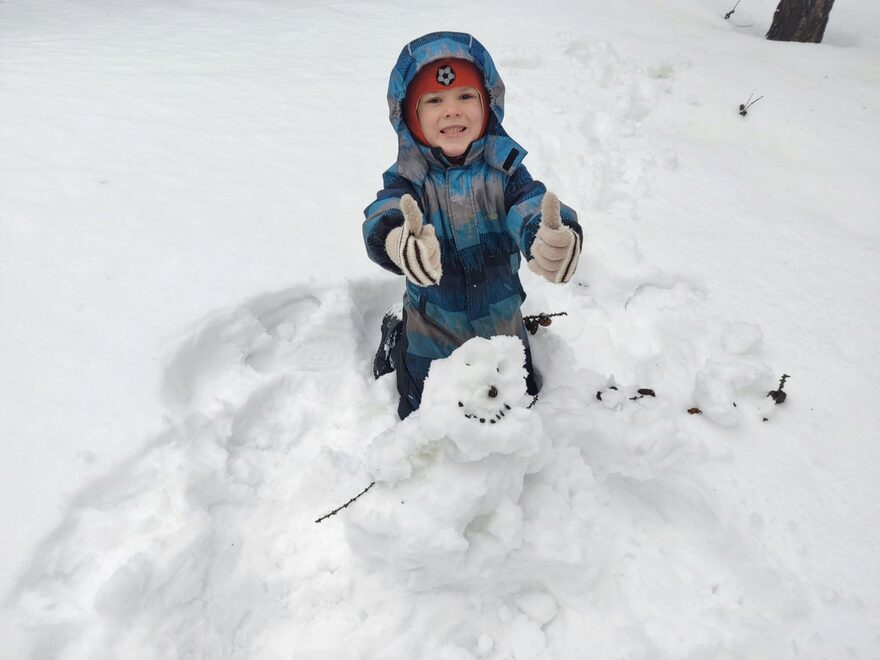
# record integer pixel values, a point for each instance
(478, 539)
(448, 509)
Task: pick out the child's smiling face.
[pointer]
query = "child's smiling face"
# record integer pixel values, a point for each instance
(451, 119)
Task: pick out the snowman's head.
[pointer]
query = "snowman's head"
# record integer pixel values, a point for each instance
(478, 393)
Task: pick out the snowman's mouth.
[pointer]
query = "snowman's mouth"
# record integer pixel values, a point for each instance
(487, 417)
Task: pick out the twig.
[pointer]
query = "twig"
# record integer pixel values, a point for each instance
(535, 320)
(779, 396)
(744, 107)
(335, 511)
(730, 13)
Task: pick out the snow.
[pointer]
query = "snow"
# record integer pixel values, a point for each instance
(189, 320)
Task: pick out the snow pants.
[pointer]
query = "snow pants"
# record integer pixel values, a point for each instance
(411, 370)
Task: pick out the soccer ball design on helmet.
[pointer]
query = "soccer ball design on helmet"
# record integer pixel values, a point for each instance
(445, 75)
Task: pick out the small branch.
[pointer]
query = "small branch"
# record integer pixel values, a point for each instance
(730, 13)
(779, 396)
(534, 321)
(744, 107)
(335, 511)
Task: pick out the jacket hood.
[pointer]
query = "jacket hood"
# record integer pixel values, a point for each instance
(412, 158)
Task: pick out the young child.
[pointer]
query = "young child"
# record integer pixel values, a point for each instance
(457, 210)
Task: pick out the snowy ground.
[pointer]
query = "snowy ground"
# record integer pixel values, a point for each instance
(188, 320)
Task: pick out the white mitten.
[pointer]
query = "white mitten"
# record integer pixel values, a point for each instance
(556, 248)
(414, 247)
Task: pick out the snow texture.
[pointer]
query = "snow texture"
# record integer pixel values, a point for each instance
(186, 387)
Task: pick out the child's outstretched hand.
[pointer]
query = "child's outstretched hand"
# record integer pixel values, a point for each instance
(413, 247)
(556, 248)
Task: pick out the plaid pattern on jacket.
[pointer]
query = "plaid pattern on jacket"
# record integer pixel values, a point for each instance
(485, 212)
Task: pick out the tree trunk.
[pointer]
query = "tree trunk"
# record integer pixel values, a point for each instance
(800, 20)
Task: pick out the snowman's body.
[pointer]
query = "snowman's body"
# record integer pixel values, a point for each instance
(450, 476)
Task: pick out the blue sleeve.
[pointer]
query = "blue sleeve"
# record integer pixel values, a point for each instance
(383, 215)
(522, 202)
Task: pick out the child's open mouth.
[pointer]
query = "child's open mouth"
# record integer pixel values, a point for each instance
(453, 130)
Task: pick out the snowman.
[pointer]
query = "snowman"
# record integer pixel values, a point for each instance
(449, 478)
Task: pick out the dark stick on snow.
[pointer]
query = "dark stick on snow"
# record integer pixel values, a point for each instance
(744, 107)
(335, 511)
(534, 321)
(779, 396)
(730, 13)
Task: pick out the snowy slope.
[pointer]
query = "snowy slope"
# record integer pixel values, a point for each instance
(189, 318)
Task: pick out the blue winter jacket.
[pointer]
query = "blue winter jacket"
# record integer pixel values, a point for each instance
(485, 212)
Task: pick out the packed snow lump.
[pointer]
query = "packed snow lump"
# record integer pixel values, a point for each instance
(450, 507)
(594, 517)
